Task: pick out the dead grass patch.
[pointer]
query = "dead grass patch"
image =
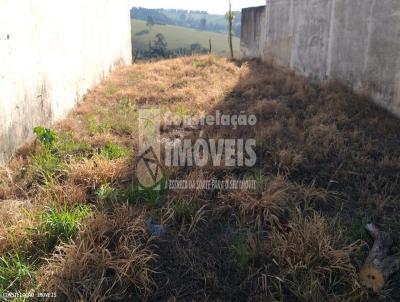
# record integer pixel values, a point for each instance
(311, 262)
(109, 260)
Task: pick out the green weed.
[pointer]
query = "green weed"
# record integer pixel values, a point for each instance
(46, 136)
(46, 165)
(95, 127)
(62, 225)
(242, 250)
(123, 116)
(108, 193)
(111, 89)
(150, 196)
(15, 274)
(181, 111)
(200, 64)
(113, 151)
(66, 145)
(184, 211)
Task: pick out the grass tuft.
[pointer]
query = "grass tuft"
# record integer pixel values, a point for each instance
(61, 225)
(15, 274)
(113, 151)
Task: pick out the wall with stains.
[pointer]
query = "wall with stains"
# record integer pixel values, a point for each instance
(51, 53)
(354, 41)
(253, 28)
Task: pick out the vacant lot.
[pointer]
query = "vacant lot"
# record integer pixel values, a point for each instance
(328, 163)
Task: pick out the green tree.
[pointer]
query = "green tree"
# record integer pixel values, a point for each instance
(160, 44)
(150, 22)
(203, 23)
(182, 17)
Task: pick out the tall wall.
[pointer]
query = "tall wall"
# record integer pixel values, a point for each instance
(253, 27)
(51, 53)
(354, 41)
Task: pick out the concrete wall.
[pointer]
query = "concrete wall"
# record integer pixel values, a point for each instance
(354, 41)
(51, 53)
(253, 27)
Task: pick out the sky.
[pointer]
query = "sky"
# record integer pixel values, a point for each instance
(212, 6)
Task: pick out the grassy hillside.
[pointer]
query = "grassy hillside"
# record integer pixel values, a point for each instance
(189, 19)
(180, 37)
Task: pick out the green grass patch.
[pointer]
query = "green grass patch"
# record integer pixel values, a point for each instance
(95, 127)
(15, 274)
(152, 197)
(61, 225)
(113, 151)
(67, 146)
(242, 251)
(184, 211)
(136, 76)
(111, 89)
(46, 166)
(200, 63)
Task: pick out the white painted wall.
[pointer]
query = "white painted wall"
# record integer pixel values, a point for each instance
(354, 41)
(51, 53)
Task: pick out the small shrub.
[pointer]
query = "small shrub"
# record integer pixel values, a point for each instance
(46, 136)
(142, 32)
(15, 274)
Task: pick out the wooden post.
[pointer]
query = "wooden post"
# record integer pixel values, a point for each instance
(210, 46)
(378, 267)
(136, 56)
(230, 22)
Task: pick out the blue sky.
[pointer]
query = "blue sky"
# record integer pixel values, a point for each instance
(212, 6)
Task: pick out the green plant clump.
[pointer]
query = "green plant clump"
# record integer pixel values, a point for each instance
(62, 225)
(15, 274)
(113, 151)
(46, 136)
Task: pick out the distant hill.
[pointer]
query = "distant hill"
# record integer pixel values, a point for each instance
(179, 37)
(191, 19)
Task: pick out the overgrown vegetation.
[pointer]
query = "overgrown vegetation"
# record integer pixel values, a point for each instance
(328, 163)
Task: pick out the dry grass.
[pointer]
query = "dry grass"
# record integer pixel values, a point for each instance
(110, 257)
(90, 174)
(258, 206)
(319, 148)
(310, 262)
